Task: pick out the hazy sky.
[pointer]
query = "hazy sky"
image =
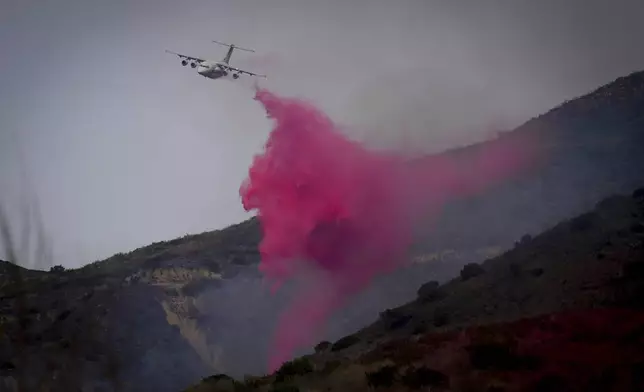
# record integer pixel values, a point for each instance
(122, 146)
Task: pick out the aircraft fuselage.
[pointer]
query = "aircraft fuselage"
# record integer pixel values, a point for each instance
(211, 71)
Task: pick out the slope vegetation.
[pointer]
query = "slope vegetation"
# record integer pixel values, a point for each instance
(561, 311)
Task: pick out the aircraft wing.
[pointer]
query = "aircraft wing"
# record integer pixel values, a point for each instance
(183, 56)
(228, 67)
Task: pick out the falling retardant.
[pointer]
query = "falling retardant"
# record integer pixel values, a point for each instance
(341, 213)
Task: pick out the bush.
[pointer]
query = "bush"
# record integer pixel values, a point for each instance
(383, 377)
(330, 367)
(638, 193)
(537, 271)
(394, 319)
(284, 388)
(216, 377)
(430, 291)
(345, 342)
(57, 269)
(491, 357)
(252, 382)
(223, 382)
(583, 222)
(406, 353)
(399, 322)
(550, 382)
(633, 270)
(296, 367)
(420, 329)
(501, 357)
(637, 228)
(417, 378)
(322, 346)
(441, 317)
(515, 269)
(471, 270)
(524, 240)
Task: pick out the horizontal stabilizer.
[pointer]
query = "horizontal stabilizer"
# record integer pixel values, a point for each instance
(233, 46)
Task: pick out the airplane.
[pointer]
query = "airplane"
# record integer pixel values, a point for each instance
(215, 69)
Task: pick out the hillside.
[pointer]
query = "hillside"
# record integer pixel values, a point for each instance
(165, 315)
(561, 311)
(591, 147)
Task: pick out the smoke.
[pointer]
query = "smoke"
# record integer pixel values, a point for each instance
(433, 107)
(335, 214)
(23, 236)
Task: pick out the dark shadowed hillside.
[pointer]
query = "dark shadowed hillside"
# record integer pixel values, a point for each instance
(162, 316)
(562, 311)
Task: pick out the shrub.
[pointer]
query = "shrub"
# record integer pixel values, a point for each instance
(388, 313)
(284, 388)
(252, 382)
(638, 193)
(430, 291)
(420, 329)
(417, 378)
(500, 356)
(322, 346)
(583, 222)
(345, 342)
(216, 378)
(400, 322)
(633, 270)
(331, 366)
(296, 367)
(637, 372)
(441, 317)
(537, 271)
(406, 353)
(637, 228)
(524, 240)
(550, 382)
(394, 319)
(515, 269)
(605, 379)
(383, 377)
(491, 356)
(57, 269)
(471, 270)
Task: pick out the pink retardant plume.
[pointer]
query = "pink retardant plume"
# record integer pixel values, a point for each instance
(329, 205)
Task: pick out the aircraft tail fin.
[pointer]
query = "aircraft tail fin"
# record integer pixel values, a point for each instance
(230, 50)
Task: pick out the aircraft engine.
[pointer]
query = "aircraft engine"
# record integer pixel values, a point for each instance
(193, 65)
(184, 63)
(236, 76)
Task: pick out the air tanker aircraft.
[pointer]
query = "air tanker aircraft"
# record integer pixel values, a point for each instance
(215, 69)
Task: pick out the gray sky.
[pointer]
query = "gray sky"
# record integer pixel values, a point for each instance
(124, 147)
